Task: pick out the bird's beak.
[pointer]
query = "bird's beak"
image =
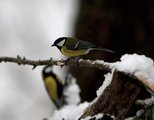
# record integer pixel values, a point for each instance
(52, 45)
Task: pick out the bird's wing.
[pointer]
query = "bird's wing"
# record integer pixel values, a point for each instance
(84, 45)
(70, 43)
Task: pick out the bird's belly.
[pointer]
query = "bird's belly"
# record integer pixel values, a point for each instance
(73, 53)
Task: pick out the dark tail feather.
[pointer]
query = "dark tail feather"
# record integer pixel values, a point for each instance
(104, 49)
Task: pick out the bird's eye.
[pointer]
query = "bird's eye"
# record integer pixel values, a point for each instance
(61, 43)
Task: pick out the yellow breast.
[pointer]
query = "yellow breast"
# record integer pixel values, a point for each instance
(51, 86)
(73, 53)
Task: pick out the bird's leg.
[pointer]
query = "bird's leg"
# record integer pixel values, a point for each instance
(70, 59)
(76, 59)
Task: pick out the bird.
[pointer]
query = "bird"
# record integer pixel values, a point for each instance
(72, 47)
(54, 85)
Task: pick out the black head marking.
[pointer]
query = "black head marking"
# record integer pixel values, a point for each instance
(60, 41)
(47, 71)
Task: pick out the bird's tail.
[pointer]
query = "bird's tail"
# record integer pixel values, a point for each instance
(103, 49)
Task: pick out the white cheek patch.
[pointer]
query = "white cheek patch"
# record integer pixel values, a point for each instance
(61, 43)
(48, 69)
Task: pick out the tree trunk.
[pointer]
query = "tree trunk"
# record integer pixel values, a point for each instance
(118, 98)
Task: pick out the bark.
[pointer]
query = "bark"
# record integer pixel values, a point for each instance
(118, 98)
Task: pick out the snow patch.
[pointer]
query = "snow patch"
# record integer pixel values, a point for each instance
(136, 64)
(107, 81)
(72, 91)
(70, 112)
(98, 116)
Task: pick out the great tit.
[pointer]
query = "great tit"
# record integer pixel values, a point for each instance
(72, 47)
(53, 84)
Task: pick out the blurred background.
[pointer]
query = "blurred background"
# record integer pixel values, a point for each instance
(29, 27)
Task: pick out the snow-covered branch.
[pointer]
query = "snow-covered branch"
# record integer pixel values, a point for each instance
(100, 64)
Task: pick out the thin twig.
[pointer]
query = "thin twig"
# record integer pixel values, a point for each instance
(23, 61)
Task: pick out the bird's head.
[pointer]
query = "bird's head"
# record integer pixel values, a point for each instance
(47, 70)
(59, 42)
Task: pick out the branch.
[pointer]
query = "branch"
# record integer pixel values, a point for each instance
(71, 62)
